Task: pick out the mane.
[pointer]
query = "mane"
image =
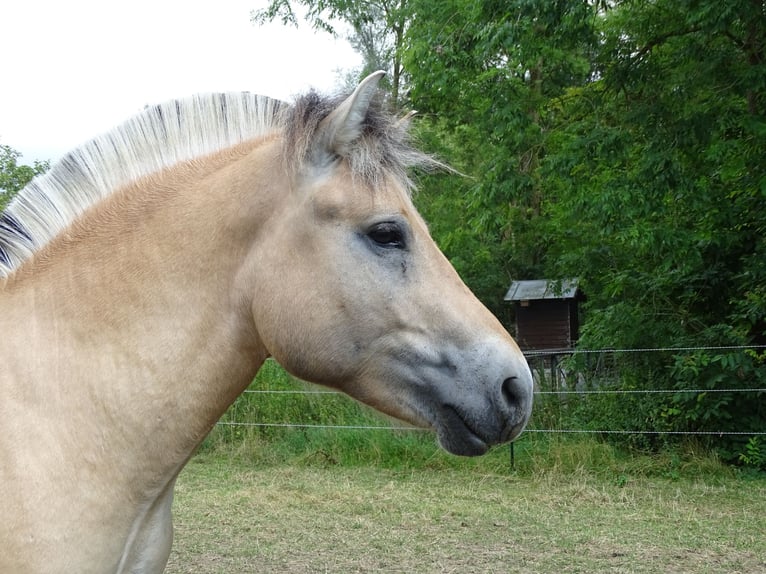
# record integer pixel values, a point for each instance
(181, 130)
(159, 137)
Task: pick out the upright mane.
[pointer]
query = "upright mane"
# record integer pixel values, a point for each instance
(158, 138)
(181, 130)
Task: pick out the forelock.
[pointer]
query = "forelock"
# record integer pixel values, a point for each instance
(382, 150)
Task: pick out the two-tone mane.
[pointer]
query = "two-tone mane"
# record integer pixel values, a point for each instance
(158, 138)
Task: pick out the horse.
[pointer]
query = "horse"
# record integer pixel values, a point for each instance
(148, 275)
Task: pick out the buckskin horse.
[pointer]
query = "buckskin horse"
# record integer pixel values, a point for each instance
(147, 276)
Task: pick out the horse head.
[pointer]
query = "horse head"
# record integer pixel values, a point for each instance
(349, 290)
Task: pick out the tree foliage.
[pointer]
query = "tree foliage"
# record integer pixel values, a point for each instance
(659, 180)
(13, 177)
(487, 70)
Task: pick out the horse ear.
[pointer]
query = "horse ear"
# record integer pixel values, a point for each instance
(343, 126)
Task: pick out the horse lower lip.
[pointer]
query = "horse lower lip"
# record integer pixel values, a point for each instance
(458, 437)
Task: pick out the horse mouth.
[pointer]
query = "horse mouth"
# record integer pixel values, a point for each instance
(457, 436)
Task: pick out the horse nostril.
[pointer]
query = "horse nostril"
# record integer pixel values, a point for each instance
(510, 391)
(515, 409)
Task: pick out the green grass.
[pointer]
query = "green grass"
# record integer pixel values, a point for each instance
(566, 508)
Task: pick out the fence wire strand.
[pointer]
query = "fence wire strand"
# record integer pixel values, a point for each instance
(546, 352)
(528, 430)
(573, 392)
(319, 426)
(647, 391)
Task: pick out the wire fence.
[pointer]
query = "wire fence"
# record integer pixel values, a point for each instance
(554, 378)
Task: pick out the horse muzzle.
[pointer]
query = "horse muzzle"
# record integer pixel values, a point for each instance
(471, 426)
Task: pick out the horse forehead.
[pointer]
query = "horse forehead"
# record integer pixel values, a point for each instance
(347, 196)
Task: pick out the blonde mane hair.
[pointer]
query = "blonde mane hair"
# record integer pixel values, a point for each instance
(158, 138)
(181, 130)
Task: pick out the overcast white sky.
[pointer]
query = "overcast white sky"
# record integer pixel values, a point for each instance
(72, 69)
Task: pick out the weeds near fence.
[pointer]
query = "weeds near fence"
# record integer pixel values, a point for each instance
(653, 399)
(280, 418)
(754, 455)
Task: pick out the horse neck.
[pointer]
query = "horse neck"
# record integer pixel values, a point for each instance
(136, 299)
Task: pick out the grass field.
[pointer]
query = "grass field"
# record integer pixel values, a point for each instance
(565, 508)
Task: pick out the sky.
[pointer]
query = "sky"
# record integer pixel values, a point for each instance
(72, 69)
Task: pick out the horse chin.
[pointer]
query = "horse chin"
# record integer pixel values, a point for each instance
(456, 437)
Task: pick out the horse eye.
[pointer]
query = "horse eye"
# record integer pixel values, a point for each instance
(388, 234)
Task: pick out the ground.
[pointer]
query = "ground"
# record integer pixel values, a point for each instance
(230, 517)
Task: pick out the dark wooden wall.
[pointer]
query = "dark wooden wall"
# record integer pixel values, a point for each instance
(546, 324)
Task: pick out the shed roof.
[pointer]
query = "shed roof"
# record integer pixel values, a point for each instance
(537, 289)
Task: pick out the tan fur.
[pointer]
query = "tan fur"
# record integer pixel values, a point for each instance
(127, 336)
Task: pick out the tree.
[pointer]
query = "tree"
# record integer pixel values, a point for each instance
(658, 176)
(482, 74)
(378, 28)
(622, 143)
(13, 177)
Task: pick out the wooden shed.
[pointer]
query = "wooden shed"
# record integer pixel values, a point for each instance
(546, 313)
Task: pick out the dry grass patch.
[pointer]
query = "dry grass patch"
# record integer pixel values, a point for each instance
(231, 518)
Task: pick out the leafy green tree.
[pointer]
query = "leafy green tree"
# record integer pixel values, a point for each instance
(658, 180)
(13, 177)
(622, 143)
